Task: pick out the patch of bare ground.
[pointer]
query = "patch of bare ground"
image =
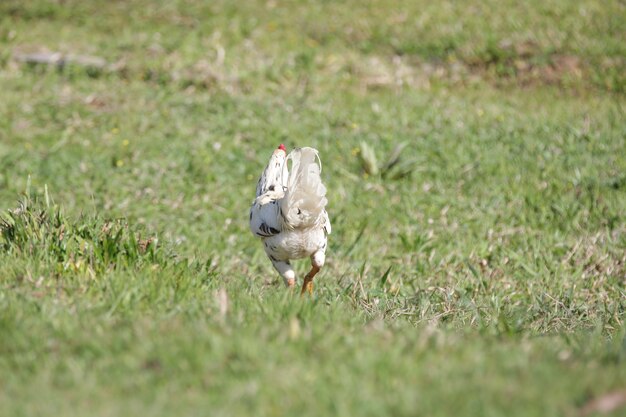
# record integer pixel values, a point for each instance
(521, 65)
(507, 64)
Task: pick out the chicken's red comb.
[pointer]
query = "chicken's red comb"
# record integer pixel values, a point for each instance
(282, 147)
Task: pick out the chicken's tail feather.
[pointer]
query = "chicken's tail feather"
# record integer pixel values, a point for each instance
(305, 199)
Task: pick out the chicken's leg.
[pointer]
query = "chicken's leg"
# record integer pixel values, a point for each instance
(317, 261)
(286, 271)
(307, 285)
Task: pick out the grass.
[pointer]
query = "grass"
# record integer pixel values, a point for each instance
(483, 274)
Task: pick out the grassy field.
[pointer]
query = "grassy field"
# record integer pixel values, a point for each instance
(485, 275)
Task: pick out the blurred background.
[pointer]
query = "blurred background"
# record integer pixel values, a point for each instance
(164, 111)
(475, 159)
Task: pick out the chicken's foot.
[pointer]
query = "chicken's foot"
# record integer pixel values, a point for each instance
(307, 285)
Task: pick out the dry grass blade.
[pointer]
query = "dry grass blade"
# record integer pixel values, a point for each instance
(221, 297)
(605, 404)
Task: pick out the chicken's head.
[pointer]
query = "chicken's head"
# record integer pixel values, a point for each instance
(275, 174)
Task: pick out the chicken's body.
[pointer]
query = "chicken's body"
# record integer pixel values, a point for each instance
(289, 213)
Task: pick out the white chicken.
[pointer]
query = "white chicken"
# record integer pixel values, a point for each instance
(289, 213)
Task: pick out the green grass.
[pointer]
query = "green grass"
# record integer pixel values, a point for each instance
(484, 275)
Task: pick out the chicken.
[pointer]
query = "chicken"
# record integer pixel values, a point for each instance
(289, 213)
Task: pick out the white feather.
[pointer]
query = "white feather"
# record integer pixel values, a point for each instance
(305, 199)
